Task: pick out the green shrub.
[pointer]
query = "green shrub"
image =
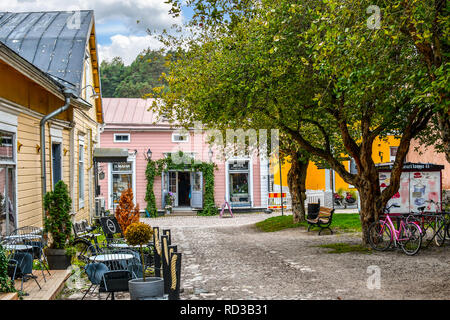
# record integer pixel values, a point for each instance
(57, 221)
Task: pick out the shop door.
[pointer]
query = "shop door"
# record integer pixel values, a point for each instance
(197, 189)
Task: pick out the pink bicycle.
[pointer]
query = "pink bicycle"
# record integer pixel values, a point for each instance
(383, 233)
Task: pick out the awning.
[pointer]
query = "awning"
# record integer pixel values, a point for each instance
(110, 154)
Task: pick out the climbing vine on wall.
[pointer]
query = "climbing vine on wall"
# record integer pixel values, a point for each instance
(156, 168)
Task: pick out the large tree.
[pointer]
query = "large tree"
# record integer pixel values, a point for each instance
(318, 71)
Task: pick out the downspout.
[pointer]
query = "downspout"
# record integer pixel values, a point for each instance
(44, 120)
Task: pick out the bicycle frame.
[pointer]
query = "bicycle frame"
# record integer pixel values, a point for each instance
(395, 234)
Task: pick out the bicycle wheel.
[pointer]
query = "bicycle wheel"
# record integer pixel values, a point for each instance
(439, 239)
(410, 239)
(82, 247)
(380, 236)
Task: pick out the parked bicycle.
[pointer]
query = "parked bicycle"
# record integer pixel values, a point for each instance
(85, 239)
(383, 234)
(436, 222)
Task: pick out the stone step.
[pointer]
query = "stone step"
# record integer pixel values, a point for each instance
(177, 213)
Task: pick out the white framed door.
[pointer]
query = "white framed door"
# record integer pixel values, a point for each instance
(197, 189)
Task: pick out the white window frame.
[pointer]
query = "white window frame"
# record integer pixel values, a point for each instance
(131, 158)
(81, 182)
(227, 179)
(174, 134)
(122, 141)
(391, 157)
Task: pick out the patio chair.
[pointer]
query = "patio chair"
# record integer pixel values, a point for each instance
(34, 237)
(20, 265)
(123, 265)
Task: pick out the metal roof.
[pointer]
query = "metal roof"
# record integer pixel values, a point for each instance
(132, 113)
(49, 42)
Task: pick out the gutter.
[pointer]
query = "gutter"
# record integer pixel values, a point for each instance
(68, 95)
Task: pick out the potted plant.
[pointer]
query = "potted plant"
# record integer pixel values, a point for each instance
(58, 224)
(170, 199)
(140, 234)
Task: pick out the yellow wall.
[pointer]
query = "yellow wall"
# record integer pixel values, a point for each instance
(315, 179)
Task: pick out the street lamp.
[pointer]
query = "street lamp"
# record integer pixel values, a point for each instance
(94, 95)
(149, 154)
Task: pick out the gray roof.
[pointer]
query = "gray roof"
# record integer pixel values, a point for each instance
(49, 42)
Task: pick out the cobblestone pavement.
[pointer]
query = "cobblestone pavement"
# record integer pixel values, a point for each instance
(229, 258)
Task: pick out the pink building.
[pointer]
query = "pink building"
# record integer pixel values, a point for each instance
(429, 155)
(129, 124)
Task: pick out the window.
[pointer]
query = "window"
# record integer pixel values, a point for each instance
(353, 168)
(81, 173)
(392, 153)
(6, 146)
(238, 175)
(121, 137)
(180, 137)
(122, 179)
(56, 162)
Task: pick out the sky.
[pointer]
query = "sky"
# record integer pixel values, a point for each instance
(116, 22)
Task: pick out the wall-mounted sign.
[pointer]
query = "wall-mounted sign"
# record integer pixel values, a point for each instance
(122, 166)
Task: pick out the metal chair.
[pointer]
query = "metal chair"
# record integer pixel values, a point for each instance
(34, 237)
(94, 270)
(20, 265)
(122, 265)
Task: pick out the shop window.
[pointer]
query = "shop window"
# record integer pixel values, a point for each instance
(122, 179)
(239, 182)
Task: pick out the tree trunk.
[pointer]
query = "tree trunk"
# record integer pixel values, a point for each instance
(370, 199)
(297, 186)
(444, 126)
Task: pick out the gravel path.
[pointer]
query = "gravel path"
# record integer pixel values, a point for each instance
(229, 258)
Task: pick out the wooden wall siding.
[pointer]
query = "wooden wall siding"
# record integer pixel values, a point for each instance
(29, 169)
(17, 88)
(83, 126)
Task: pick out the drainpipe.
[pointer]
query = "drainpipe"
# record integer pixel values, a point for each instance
(44, 120)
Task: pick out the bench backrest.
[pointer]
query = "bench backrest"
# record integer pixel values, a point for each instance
(326, 212)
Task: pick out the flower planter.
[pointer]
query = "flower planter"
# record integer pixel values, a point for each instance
(57, 259)
(152, 287)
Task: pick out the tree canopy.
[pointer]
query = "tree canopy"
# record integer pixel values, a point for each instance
(134, 81)
(323, 72)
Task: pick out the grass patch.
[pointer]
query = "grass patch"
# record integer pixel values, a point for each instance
(341, 221)
(278, 223)
(345, 247)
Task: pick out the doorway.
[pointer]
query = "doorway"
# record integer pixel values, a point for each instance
(184, 189)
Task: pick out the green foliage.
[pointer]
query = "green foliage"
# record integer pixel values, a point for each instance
(155, 168)
(134, 81)
(6, 285)
(139, 233)
(57, 221)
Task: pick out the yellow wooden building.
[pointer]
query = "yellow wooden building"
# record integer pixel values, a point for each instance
(49, 83)
(384, 150)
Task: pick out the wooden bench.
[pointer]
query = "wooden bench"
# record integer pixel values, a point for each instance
(321, 219)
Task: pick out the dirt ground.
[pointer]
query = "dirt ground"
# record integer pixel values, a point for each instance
(229, 258)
